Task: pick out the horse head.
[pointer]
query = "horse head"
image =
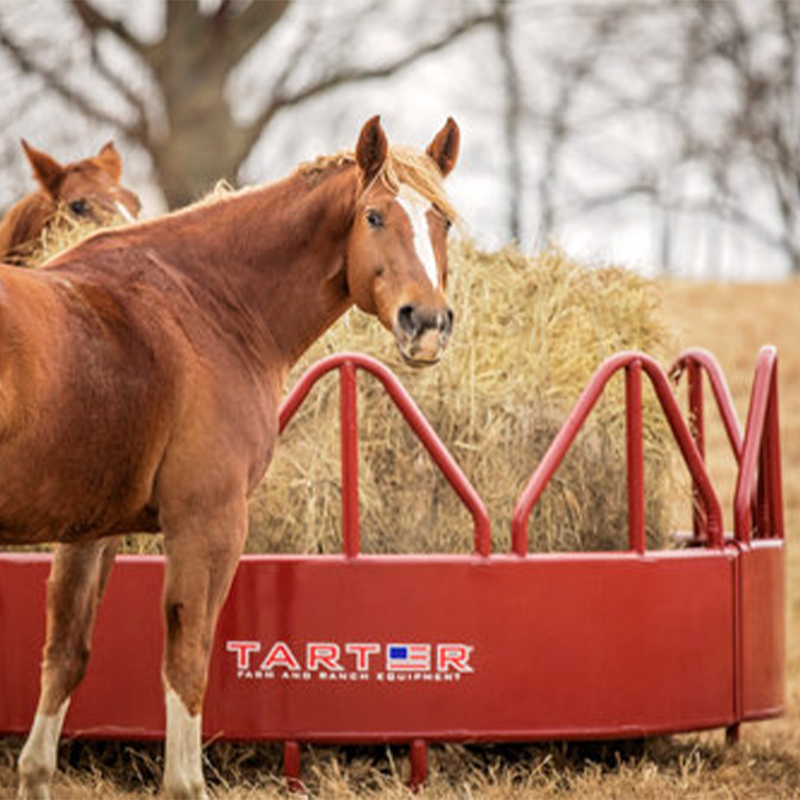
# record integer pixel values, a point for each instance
(397, 250)
(88, 190)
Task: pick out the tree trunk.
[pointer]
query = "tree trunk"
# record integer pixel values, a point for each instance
(197, 141)
(512, 117)
(201, 144)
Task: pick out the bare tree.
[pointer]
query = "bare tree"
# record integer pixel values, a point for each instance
(754, 48)
(512, 117)
(574, 73)
(183, 117)
(705, 95)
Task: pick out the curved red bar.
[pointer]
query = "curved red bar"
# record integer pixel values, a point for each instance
(761, 443)
(577, 417)
(719, 387)
(757, 450)
(416, 421)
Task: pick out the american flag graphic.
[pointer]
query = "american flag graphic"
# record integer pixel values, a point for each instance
(408, 657)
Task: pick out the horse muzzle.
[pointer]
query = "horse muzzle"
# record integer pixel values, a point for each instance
(422, 335)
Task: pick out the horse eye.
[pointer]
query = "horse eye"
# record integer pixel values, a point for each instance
(374, 218)
(448, 223)
(79, 207)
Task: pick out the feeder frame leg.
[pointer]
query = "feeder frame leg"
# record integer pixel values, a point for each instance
(733, 734)
(291, 767)
(419, 764)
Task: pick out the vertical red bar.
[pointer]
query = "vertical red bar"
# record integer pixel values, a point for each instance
(635, 435)
(419, 764)
(697, 427)
(733, 734)
(291, 767)
(774, 477)
(348, 422)
(762, 507)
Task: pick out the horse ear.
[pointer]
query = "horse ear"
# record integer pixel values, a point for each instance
(109, 160)
(47, 171)
(371, 149)
(444, 147)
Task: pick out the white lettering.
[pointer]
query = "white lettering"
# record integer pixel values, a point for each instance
(243, 651)
(280, 655)
(453, 656)
(323, 654)
(351, 661)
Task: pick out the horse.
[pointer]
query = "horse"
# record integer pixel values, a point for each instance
(140, 378)
(88, 191)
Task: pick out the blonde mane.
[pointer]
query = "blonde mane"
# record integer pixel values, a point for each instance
(403, 165)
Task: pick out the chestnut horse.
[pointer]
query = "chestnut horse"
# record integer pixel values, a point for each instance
(87, 190)
(140, 377)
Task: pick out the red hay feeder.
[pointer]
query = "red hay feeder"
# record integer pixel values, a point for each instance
(418, 649)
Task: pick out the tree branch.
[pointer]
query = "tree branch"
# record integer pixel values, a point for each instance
(53, 79)
(351, 74)
(512, 101)
(249, 26)
(139, 127)
(94, 21)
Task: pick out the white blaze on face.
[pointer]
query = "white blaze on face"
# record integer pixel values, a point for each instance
(417, 208)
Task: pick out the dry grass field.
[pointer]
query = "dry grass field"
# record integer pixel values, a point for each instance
(730, 320)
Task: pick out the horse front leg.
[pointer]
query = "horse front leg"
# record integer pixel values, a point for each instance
(202, 555)
(77, 579)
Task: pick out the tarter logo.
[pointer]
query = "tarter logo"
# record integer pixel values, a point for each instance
(351, 661)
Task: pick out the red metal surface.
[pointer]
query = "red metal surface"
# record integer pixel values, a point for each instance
(761, 446)
(640, 621)
(566, 436)
(347, 363)
(419, 763)
(758, 525)
(351, 530)
(635, 450)
(761, 604)
(354, 648)
(759, 493)
(291, 766)
(697, 361)
(697, 426)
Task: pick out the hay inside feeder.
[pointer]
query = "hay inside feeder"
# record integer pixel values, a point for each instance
(529, 334)
(530, 331)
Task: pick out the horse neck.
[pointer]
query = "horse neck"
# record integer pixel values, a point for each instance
(279, 251)
(24, 221)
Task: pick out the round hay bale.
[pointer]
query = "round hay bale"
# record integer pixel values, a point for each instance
(530, 331)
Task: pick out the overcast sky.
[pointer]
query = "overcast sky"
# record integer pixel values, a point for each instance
(462, 81)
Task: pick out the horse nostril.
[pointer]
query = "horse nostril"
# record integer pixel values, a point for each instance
(446, 321)
(406, 319)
